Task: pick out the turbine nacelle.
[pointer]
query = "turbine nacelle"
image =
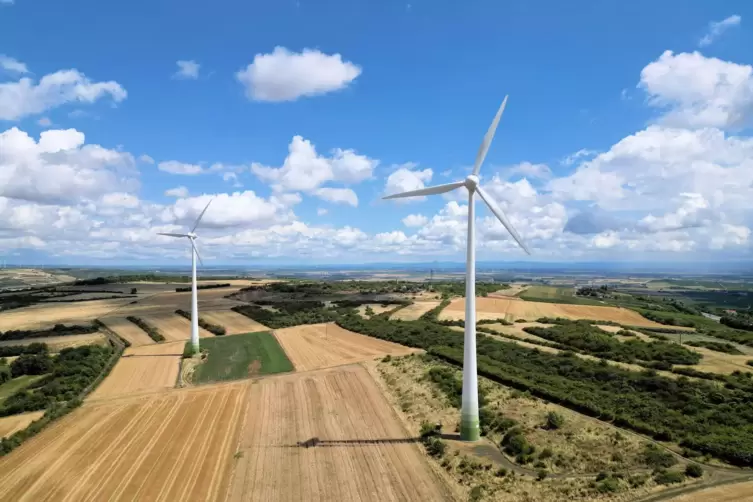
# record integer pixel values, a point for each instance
(471, 182)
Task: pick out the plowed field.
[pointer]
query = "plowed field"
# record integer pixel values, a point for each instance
(328, 436)
(174, 327)
(127, 330)
(315, 346)
(178, 446)
(233, 322)
(512, 309)
(141, 369)
(14, 423)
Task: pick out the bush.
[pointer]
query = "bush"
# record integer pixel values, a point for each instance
(657, 458)
(541, 475)
(669, 477)
(134, 291)
(435, 446)
(608, 485)
(554, 420)
(693, 470)
(429, 429)
(31, 364)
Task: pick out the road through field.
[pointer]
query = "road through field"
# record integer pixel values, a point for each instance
(175, 446)
(128, 331)
(146, 368)
(315, 346)
(328, 436)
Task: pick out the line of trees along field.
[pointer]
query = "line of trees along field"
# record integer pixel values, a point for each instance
(203, 286)
(696, 413)
(57, 330)
(212, 328)
(154, 333)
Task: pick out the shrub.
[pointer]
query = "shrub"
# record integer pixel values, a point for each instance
(31, 364)
(501, 472)
(134, 291)
(657, 458)
(428, 430)
(435, 446)
(541, 475)
(669, 477)
(608, 485)
(554, 420)
(693, 470)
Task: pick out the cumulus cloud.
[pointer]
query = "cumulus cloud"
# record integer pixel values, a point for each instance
(283, 75)
(696, 91)
(187, 70)
(175, 167)
(405, 179)
(24, 97)
(415, 220)
(179, 191)
(529, 170)
(716, 28)
(338, 195)
(12, 65)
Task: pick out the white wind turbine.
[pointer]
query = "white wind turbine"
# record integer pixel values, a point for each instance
(194, 297)
(469, 422)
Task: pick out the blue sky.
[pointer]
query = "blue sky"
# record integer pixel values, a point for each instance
(397, 88)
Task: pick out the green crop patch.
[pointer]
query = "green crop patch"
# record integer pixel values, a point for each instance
(240, 356)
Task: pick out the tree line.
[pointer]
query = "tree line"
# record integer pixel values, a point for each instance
(57, 330)
(203, 286)
(153, 332)
(212, 328)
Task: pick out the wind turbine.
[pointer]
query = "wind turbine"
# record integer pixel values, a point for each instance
(191, 236)
(469, 422)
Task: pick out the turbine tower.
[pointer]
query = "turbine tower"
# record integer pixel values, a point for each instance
(469, 422)
(194, 297)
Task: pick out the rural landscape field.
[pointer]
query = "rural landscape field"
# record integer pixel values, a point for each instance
(350, 390)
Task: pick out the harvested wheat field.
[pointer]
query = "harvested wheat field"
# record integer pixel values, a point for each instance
(739, 492)
(378, 308)
(719, 362)
(127, 330)
(233, 322)
(175, 446)
(315, 346)
(47, 315)
(142, 369)
(413, 311)
(514, 308)
(58, 343)
(14, 423)
(328, 436)
(174, 327)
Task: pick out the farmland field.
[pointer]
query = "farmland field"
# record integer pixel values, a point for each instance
(558, 294)
(176, 446)
(315, 346)
(14, 423)
(128, 331)
(46, 315)
(414, 311)
(513, 309)
(14, 385)
(58, 343)
(328, 436)
(233, 322)
(140, 369)
(174, 327)
(241, 356)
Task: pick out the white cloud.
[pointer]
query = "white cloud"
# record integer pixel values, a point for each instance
(576, 156)
(146, 159)
(605, 240)
(175, 167)
(338, 195)
(287, 76)
(179, 191)
(406, 179)
(23, 98)
(321, 211)
(44, 122)
(716, 28)
(187, 70)
(697, 91)
(527, 169)
(10, 64)
(415, 220)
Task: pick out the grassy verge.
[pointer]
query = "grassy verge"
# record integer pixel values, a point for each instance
(12, 386)
(241, 356)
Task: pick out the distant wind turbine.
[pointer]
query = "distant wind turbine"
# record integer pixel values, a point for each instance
(469, 422)
(194, 297)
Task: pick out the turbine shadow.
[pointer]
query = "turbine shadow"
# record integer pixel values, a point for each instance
(328, 443)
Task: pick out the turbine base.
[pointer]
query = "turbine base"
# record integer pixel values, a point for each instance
(469, 429)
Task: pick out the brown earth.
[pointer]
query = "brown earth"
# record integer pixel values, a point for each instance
(328, 436)
(128, 331)
(233, 322)
(316, 346)
(175, 446)
(147, 368)
(14, 423)
(174, 327)
(46, 315)
(514, 308)
(414, 311)
(58, 343)
(740, 492)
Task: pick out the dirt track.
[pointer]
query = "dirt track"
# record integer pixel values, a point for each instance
(146, 368)
(177, 446)
(233, 322)
(317, 346)
(174, 327)
(14, 423)
(127, 330)
(513, 308)
(358, 449)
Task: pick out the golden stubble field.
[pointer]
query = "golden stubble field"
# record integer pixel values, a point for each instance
(233, 322)
(175, 446)
(512, 309)
(414, 311)
(174, 327)
(142, 369)
(127, 330)
(315, 346)
(328, 436)
(58, 343)
(46, 314)
(14, 423)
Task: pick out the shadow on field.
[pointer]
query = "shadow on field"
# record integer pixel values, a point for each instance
(316, 442)
(150, 355)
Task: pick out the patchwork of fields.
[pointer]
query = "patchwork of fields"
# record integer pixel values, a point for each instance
(174, 327)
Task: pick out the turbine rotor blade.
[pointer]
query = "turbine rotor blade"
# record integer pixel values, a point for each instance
(201, 215)
(172, 235)
(428, 190)
(502, 218)
(481, 155)
(196, 250)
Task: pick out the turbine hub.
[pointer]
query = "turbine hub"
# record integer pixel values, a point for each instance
(192, 235)
(471, 182)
